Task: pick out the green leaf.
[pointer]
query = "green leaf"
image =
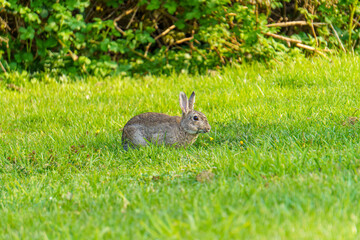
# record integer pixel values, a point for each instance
(44, 13)
(27, 57)
(104, 45)
(113, 46)
(52, 26)
(84, 60)
(26, 33)
(153, 5)
(180, 24)
(33, 17)
(193, 14)
(24, 10)
(24, 57)
(171, 6)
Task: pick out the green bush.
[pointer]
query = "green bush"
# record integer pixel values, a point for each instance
(157, 36)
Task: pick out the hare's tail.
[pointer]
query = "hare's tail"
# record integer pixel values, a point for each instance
(124, 141)
(125, 146)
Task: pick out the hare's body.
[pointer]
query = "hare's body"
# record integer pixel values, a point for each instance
(156, 128)
(160, 128)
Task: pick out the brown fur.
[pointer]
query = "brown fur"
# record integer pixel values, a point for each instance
(160, 128)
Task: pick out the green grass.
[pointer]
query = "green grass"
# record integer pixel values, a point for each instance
(284, 165)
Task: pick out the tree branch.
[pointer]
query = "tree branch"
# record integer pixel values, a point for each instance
(294, 23)
(157, 37)
(337, 37)
(120, 17)
(2, 67)
(283, 38)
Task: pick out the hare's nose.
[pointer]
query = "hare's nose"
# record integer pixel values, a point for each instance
(207, 129)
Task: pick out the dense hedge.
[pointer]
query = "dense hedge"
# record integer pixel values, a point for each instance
(150, 36)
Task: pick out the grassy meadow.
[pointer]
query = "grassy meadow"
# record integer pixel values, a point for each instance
(282, 160)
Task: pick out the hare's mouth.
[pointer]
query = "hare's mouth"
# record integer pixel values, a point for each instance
(203, 131)
(198, 131)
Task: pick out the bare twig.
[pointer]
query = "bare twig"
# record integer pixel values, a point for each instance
(158, 30)
(120, 17)
(2, 67)
(220, 56)
(191, 44)
(284, 10)
(111, 14)
(72, 55)
(294, 23)
(5, 24)
(132, 18)
(5, 40)
(155, 24)
(119, 29)
(147, 49)
(157, 37)
(165, 32)
(234, 41)
(90, 11)
(300, 45)
(231, 45)
(337, 37)
(313, 32)
(141, 55)
(183, 40)
(283, 38)
(124, 14)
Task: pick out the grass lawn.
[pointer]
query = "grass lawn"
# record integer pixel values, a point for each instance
(285, 158)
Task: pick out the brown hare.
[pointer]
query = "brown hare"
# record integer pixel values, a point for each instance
(159, 128)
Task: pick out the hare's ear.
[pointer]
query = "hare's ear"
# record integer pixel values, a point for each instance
(192, 101)
(183, 103)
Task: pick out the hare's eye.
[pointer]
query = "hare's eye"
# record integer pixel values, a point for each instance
(196, 118)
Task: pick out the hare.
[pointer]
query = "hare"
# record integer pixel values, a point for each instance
(160, 128)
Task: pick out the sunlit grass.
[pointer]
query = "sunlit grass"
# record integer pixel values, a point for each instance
(285, 164)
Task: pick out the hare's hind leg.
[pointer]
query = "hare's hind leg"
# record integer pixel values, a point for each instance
(138, 138)
(126, 145)
(133, 136)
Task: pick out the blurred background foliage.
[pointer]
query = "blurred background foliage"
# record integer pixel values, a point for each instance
(105, 37)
